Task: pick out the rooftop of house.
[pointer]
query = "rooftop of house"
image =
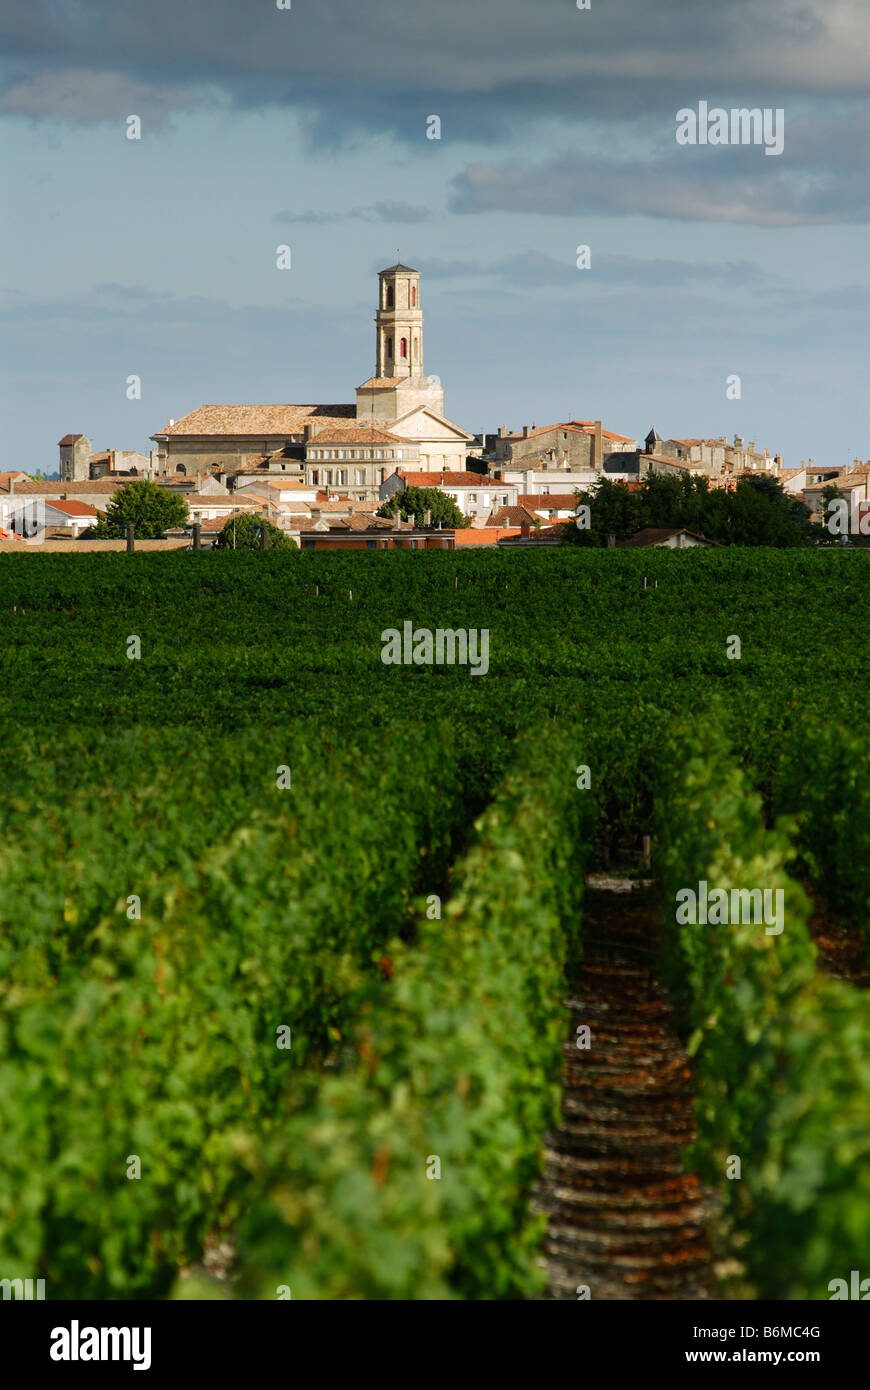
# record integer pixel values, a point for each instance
(456, 478)
(513, 516)
(657, 535)
(356, 434)
(72, 508)
(557, 501)
(255, 420)
(106, 486)
(573, 426)
(68, 439)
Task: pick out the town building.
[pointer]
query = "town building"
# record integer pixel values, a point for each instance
(398, 401)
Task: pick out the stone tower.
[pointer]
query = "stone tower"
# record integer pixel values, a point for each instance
(75, 458)
(399, 323)
(398, 385)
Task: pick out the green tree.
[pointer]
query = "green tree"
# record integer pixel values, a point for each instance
(415, 501)
(151, 509)
(243, 533)
(757, 512)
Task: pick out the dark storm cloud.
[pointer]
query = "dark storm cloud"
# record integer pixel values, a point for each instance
(493, 71)
(485, 62)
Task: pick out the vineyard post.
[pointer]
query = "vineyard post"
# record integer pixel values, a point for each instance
(131, 537)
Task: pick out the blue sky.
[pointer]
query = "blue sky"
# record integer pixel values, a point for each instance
(308, 127)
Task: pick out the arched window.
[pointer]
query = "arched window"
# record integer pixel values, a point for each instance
(413, 295)
(389, 347)
(403, 348)
(389, 296)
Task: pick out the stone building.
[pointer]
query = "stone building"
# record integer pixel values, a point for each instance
(75, 458)
(574, 446)
(398, 400)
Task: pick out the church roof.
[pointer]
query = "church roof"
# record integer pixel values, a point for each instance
(355, 434)
(256, 420)
(379, 381)
(398, 266)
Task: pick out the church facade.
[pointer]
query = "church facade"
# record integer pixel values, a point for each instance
(397, 421)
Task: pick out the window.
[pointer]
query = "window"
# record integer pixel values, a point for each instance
(399, 454)
(360, 477)
(403, 347)
(341, 477)
(472, 496)
(315, 475)
(413, 295)
(389, 347)
(390, 297)
(379, 453)
(341, 453)
(329, 477)
(370, 545)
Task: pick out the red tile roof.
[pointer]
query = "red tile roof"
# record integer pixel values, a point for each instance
(71, 508)
(279, 420)
(355, 434)
(456, 478)
(576, 426)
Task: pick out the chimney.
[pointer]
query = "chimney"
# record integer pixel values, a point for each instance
(534, 424)
(427, 517)
(11, 486)
(397, 520)
(597, 450)
(502, 431)
(752, 446)
(525, 431)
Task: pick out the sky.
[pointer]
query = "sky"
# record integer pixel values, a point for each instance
(307, 127)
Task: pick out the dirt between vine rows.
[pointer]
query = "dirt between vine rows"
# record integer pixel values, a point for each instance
(623, 1215)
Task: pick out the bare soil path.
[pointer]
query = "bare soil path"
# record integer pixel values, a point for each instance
(624, 1217)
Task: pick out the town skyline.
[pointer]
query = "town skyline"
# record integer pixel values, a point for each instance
(156, 256)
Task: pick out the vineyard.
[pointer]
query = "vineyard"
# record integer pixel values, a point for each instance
(298, 949)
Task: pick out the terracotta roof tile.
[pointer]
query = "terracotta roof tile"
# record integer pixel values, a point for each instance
(265, 420)
(355, 434)
(456, 478)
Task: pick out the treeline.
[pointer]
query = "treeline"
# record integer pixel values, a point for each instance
(757, 512)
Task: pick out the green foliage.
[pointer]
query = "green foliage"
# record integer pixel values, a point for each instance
(150, 508)
(244, 532)
(156, 1035)
(823, 780)
(457, 1058)
(758, 511)
(414, 502)
(156, 777)
(780, 1055)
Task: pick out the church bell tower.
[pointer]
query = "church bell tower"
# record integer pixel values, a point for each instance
(399, 324)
